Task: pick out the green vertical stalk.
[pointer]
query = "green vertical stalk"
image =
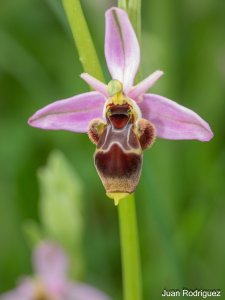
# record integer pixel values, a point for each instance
(127, 213)
(82, 38)
(133, 8)
(130, 252)
(134, 12)
(132, 287)
(123, 4)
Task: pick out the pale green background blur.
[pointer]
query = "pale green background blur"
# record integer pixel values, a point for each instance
(181, 196)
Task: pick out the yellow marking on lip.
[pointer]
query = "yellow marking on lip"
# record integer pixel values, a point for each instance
(120, 99)
(137, 151)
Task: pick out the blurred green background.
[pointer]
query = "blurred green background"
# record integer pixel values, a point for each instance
(181, 196)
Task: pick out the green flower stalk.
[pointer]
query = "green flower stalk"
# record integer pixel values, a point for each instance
(133, 8)
(122, 119)
(130, 253)
(123, 4)
(82, 38)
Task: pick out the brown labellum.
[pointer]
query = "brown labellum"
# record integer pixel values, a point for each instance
(120, 144)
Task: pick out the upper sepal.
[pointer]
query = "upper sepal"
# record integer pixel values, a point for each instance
(122, 50)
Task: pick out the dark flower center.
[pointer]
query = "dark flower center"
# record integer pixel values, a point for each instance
(41, 293)
(119, 121)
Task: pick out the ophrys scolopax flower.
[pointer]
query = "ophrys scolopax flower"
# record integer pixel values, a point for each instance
(50, 281)
(121, 118)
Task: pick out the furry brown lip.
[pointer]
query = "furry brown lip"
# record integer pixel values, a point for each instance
(120, 142)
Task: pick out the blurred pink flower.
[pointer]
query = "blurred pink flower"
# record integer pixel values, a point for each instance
(50, 281)
(122, 52)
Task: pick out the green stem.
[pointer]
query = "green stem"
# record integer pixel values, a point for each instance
(132, 281)
(134, 12)
(132, 287)
(133, 8)
(123, 4)
(82, 38)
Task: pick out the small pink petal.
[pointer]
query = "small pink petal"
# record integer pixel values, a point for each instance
(122, 50)
(84, 292)
(72, 114)
(50, 261)
(95, 84)
(173, 121)
(142, 87)
(25, 291)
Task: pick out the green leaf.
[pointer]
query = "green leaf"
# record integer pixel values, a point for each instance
(32, 232)
(61, 207)
(56, 7)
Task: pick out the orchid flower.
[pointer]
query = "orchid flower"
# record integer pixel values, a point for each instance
(50, 281)
(121, 118)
